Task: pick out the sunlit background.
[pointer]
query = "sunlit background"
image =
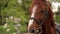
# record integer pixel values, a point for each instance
(14, 15)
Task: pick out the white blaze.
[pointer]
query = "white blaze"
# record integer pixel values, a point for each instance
(32, 16)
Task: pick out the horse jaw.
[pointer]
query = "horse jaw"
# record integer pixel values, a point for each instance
(32, 16)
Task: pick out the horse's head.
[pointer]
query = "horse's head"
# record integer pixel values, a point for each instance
(41, 18)
(37, 16)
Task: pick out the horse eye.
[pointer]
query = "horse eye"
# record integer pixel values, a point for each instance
(42, 11)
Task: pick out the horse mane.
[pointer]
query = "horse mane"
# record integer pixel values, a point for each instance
(50, 20)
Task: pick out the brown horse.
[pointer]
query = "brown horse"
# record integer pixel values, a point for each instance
(41, 18)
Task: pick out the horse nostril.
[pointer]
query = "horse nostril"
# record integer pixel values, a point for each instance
(32, 30)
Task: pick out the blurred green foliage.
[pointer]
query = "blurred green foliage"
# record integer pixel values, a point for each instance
(13, 8)
(16, 9)
(58, 16)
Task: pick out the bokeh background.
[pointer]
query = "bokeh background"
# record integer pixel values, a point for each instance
(14, 15)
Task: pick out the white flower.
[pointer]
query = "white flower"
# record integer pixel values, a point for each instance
(14, 33)
(8, 30)
(5, 25)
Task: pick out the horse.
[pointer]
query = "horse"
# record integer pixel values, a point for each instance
(41, 18)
